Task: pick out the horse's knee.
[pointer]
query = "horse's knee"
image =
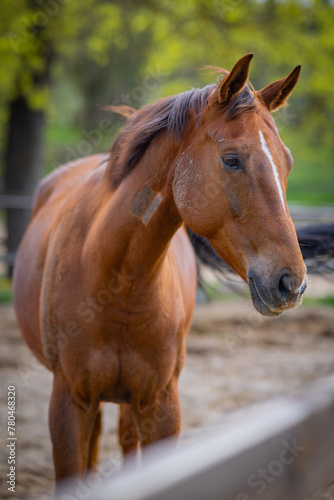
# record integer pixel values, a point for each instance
(160, 419)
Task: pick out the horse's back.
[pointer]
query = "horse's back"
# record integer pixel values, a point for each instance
(63, 180)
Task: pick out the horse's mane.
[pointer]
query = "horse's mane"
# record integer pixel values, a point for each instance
(171, 114)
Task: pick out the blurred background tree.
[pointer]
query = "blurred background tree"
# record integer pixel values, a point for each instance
(63, 60)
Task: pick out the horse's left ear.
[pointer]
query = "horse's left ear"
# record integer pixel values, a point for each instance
(276, 94)
(235, 81)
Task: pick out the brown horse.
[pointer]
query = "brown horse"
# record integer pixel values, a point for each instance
(105, 277)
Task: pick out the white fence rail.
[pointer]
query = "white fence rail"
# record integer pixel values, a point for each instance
(280, 450)
(16, 201)
(308, 214)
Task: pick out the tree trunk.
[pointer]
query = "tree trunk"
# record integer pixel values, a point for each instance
(23, 166)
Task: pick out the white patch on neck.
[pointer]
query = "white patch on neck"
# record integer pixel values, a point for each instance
(145, 203)
(266, 151)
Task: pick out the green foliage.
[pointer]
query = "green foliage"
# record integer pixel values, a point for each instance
(104, 51)
(6, 294)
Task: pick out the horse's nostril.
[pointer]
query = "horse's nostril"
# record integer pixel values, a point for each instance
(287, 287)
(284, 287)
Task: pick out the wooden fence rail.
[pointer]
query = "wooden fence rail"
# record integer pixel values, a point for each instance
(16, 201)
(304, 214)
(280, 450)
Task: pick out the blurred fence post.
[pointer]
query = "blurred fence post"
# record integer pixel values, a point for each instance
(18, 211)
(279, 449)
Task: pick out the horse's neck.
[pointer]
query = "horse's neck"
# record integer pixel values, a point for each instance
(142, 216)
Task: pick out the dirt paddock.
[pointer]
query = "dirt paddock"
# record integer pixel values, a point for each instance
(235, 358)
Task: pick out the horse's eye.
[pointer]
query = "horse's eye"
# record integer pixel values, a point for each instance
(231, 162)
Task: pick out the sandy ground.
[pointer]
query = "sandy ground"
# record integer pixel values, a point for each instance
(235, 357)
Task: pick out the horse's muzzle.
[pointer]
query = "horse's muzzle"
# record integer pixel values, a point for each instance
(274, 297)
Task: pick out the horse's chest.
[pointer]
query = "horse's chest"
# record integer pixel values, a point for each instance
(132, 359)
(127, 352)
(145, 331)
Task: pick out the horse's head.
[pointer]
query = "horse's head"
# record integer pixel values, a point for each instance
(230, 182)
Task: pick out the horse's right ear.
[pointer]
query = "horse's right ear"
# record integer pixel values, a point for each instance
(235, 81)
(276, 94)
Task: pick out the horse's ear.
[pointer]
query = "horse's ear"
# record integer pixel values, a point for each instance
(235, 81)
(276, 94)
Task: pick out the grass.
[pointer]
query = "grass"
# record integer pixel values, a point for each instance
(6, 294)
(327, 300)
(311, 181)
(212, 292)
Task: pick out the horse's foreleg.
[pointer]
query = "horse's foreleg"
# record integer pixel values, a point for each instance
(94, 441)
(71, 427)
(128, 434)
(160, 418)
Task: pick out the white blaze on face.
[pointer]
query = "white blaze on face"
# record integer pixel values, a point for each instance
(266, 151)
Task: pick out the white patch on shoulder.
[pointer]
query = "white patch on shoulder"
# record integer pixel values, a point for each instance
(266, 151)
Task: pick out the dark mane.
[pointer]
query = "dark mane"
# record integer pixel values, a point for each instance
(242, 103)
(171, 114)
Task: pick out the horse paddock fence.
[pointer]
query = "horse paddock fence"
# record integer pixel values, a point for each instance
(278, 450)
